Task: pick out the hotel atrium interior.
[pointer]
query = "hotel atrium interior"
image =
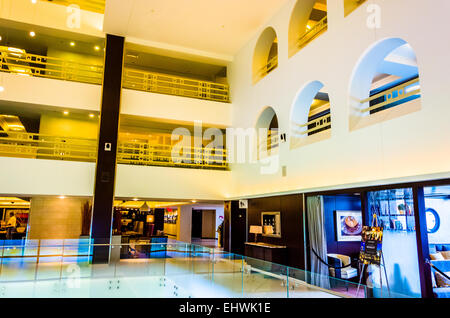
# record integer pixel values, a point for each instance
(224, 149)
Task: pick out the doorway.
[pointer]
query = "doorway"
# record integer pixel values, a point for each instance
(204, 227)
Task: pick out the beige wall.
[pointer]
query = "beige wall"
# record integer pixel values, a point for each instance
(184, 224)
(55, 218)
(75, 57)
(68, 127)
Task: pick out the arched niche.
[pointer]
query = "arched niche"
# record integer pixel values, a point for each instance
(310, 113)
(386, 78)
(267, 123)
(308, 21)
(265, 56)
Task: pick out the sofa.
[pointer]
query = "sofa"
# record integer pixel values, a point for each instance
(439, 254)
(440, 292)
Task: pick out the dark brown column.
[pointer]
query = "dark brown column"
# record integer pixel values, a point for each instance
(423, 251)
(107, 148)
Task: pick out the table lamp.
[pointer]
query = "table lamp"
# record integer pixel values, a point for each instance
(256, 229)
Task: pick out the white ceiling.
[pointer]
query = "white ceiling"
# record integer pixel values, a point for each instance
(218, 28)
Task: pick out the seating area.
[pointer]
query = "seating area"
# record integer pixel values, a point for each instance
(440, 258)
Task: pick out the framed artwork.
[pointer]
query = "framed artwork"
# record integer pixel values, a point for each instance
(349, 226)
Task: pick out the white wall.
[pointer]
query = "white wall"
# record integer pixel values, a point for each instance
(412, 146)
(172, 183)
(54, 177)
(161, 106)
(46, 177)
(50, 92)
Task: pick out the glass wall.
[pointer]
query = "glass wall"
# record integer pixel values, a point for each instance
(437, 212)
(394, 210)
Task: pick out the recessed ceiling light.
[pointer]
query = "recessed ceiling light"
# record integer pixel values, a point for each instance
(62, 197)
(135, 199)
(2, 89)
(33, 1)
(194, 201)
(32, 34)
(66, 112)
(91, 115)
(97, 48)
(0, 37)
(72, 43)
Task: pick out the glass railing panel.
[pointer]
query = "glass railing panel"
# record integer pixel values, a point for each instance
(264, 279)
(18, 262)
(304, 284)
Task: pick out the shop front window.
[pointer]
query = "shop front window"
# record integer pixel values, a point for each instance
(437, 212)
(393, 210)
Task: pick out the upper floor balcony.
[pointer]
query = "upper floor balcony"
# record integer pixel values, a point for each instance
(40, 146)
(18, 61)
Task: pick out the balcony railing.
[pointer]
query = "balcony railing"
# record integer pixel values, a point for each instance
(37, 146)
(161, 155)
(312, 127)
(88, 5)
(266, 69)
(18, 62)
(314, 32)
(175, 85)
(269, 144)
(393, 96)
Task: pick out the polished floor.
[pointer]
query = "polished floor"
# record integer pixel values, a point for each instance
(171, 277)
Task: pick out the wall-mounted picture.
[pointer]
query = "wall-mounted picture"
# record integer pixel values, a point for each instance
(349, 226)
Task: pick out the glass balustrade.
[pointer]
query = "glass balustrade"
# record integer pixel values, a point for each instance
(64, 268)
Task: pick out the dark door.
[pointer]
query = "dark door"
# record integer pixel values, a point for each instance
(238, 229)
(197, 223)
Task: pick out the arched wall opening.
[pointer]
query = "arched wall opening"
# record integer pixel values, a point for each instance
(265, 56)
(310, 114)
(386, 79)
(267, 124)
(308, 21)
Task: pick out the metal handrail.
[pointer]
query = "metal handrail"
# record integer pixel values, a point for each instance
(175, 85)
(317, 121)
(389, 96)
(38, 146)
(57, 68)
(51, 67)
(266, 69)
(315, 31)
(97, 6)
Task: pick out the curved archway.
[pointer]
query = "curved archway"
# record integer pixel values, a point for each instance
(265, 56)
(386, 76)
(267, 124)
(310, 114)
(308, 21)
